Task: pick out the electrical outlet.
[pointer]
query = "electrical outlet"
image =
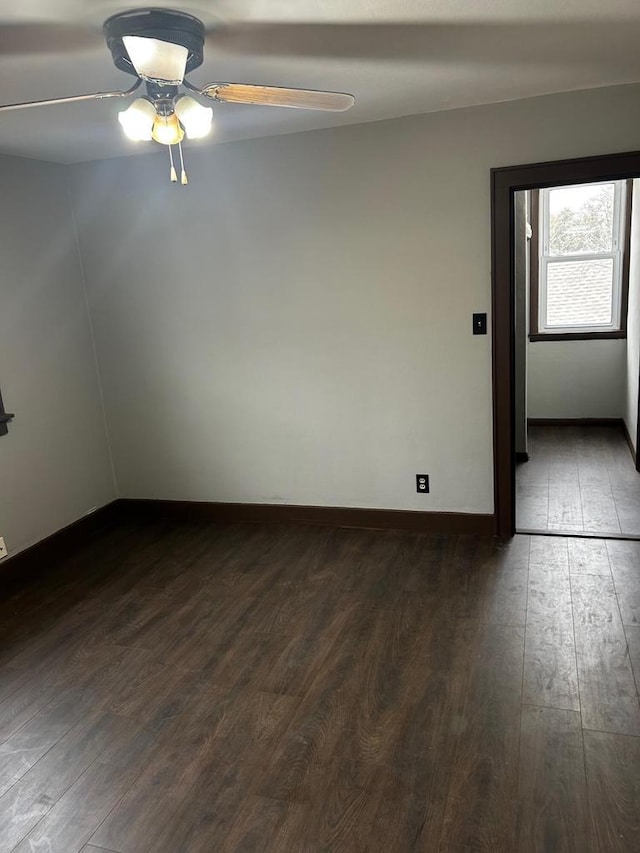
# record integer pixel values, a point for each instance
(3, 548)
(422, 483)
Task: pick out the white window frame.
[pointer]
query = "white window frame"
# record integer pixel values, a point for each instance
(545, 259)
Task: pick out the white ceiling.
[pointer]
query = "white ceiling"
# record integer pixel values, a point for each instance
(446, 54)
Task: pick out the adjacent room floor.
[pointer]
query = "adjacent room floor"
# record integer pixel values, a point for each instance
(237, 688)
(578, 479)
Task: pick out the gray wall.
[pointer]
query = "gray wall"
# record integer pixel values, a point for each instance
(295, 326)
(54, 463)
(632, 371)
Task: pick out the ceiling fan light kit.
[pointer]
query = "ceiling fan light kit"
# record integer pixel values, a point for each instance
(157, 60)
(137, 120)
(167, 130)
(159, 47)
(161, 29)
(195, 118)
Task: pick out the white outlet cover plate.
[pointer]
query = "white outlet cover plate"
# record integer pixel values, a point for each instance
(3, 548)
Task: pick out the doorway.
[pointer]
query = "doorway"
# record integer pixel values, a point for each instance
(508, 186)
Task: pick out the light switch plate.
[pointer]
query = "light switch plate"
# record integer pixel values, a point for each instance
(3, 548)
(479, 324)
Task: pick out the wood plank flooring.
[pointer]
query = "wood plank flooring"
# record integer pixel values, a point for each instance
(579, 479)
(189, 689)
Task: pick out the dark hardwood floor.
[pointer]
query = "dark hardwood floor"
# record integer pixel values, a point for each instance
(578, 479)
(228, 688)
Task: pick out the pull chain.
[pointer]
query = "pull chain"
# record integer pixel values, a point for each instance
(172, 174)
(183, 177)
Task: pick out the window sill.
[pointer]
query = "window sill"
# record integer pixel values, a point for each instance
(578, 336)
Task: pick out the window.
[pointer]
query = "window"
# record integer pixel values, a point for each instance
(579, 275)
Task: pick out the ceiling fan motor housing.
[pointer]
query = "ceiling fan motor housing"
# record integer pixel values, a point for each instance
(163, 24)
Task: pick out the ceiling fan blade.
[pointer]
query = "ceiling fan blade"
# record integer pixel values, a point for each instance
(69, 99)
(276, 96)
(26, 39)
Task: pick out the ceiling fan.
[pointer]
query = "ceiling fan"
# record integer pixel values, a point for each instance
(159, 47)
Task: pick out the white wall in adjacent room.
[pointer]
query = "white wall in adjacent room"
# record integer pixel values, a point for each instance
(54, 462)
(576, 379)
(295, 325)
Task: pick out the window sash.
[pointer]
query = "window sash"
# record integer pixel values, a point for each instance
(616, 256)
